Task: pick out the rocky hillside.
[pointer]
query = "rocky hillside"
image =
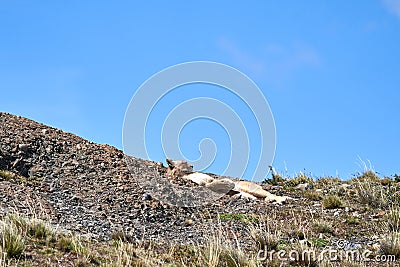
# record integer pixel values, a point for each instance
(87, 189)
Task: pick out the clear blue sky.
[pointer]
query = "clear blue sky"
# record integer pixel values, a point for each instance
(330, 70)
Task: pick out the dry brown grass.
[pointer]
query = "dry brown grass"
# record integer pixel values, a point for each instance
(281, 229)
(332, 202)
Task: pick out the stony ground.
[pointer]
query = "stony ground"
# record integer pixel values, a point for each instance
(86, 189)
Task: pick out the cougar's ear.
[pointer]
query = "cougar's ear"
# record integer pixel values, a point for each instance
(170, 163)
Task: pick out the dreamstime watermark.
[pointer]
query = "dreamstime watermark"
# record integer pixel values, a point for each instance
(158, 87)
(343, 250)
(333, 255)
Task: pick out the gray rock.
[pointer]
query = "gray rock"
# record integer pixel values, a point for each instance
(305, 186)
(23, 147)
(146, 196)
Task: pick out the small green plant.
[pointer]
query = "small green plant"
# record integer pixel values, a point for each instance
(322, 227)
(332, 202)
(318, 242)
(12, 242)
(11, 177)
(65, 244)
(39, 229)
(352, 220)
(312, 195)
(244, 218)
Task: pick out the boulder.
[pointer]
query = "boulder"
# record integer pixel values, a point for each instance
(305, 186)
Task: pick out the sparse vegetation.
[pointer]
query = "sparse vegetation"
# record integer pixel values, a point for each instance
(265, 238)
(65, 244)
(326, 182)
(352, 220)
(393, 219)
(386, 181)
(370, 191)
(39, 229)
(16, 178)
(220, 251)
(11, 177)
(12, 241)
(245, 218)
(332, 202)
(23, 235)
(299, 179)
(318, 242)
(65, 182)
(322, 227)
(391, 244)
(312, 195)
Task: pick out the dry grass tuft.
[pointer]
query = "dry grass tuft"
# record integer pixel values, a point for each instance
(391, 244)
(371, 192)
(320, 226)
(11, 177)
(393, 219)
(332, 202)
(12, 241)
(299, 179)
